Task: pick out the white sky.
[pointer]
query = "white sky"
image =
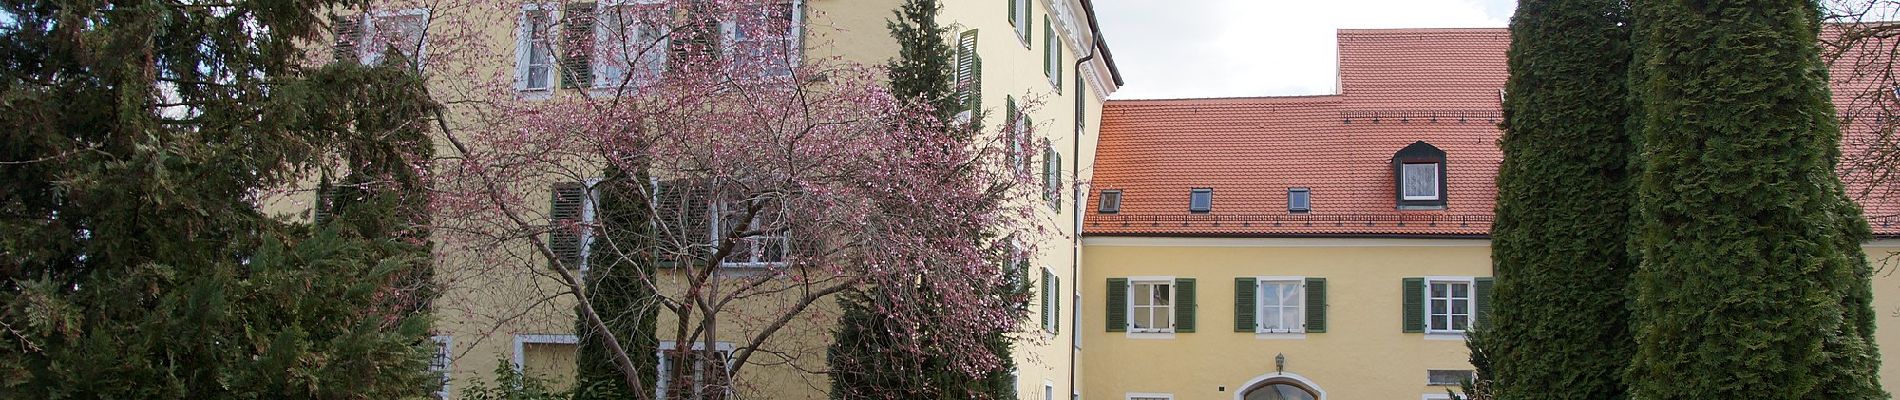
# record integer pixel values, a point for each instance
(1232, 48)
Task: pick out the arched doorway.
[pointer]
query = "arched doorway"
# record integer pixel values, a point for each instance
(1280, 386)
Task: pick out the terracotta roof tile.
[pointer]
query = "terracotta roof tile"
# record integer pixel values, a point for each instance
(1397, 86)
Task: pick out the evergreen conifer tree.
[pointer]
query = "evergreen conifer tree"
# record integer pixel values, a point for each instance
(1752, 283)
(1559, 325)
(620, 283)
(136, 260)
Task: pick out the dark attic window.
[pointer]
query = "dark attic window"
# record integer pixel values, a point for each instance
(1299, 200)
(1201, 200)
(1418, 173)
(1111, 202)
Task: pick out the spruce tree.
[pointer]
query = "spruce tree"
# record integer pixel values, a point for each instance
(1559, 327)
(620, 280)
(1752, 284)
(135, 258)
(870, 356)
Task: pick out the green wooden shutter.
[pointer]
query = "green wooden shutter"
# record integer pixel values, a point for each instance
(577, 46)
(1184, 304)
(1315, 305)
(1055, 321)
(1056, 48)
(1414, 304)
(1245, 292)
(976, 88)
(1048, 40)
(1056, 197)
(1009, 132)
(1048, 298)
(966, 68)
(1012, 11)
(349, 32)
(1481, 299)
(1117, 295)
(564, 217)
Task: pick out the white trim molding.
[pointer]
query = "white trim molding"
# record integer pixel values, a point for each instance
(1241, 392)
(522, 339)
(1137, 395)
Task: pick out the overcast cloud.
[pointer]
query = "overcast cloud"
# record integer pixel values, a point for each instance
(1233, 48)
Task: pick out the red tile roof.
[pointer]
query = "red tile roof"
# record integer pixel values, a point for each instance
(1397, 86)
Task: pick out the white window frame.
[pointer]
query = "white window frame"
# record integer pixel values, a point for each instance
(1436, 180)
(1048, 390)
(1147, 396)
(1172, 301)
(1022, 21)
(589, 217)
(1470, 304)
(1054, 292)
(1260, 303)
(1018, 134)
(371, 55)
(602, 33)
(445, 356)
(1106, 202)
(754, 246)
(521, 340)
(1428, 377)
(524, 48)
(1303, 207)
(1053, 50)
(795, 46)
(663, 366)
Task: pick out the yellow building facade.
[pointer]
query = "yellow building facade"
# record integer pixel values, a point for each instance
(499, 307)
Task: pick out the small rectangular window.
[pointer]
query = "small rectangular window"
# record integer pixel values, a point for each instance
(1282, 307)
(1111, 201)
(1449, 305)
(1420, 181)
(534, 53)
(1298, 200)
(1152, 306)
(1447, 377)
(1201, 201)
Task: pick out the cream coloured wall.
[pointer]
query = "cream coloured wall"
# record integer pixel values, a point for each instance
(1884, 254)
(1362, 355)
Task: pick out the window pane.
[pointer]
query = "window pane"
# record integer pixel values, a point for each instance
(1162, 294)
(1164, 317)
(1142, 319)
(1270, 318)
(1143, 295)
(1270, 294)
(1438, 307)
(1290, 294)
(1459, 322)
(1460, 290)
(1438, 290)
(1458, 306)
(1438, 322)
(1421, 181)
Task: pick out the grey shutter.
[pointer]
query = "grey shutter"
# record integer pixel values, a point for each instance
(1117, 305)
(349, 34)
(564, 219)
(1481, 298)
(1009, 131)
(1316, 305)
(1414, 303)
(577, 45)
(1184, 304)
(1245, 291)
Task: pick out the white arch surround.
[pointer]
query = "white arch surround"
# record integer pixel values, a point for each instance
(1241, 394)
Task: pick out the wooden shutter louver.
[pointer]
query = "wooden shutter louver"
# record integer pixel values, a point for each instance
(1481, 299)
(684, 221)
(577, 46)
(1055, 322)
(349, 35)
(564, 223)
(1117, 319)
(967, 68)
(1049, 43)
(1184, 304)
(1414, 303)
(1316, 305)
(1048, 298)
(1246, 291)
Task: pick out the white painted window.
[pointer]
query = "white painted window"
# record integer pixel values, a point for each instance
(1018, 136)
(546, 356)
(766, 40)
(763, 240)
(1150, 306)
(1282, 305)
(444, 352)
(1048, 390)
(534, 52)
(402, 31)
(630, 42)
(1150, 396)
(1448, 305)
(1420, 181)
(671, 358)
(1448, 377)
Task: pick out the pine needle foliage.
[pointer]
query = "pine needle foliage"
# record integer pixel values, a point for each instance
(620, 279)
(135, 259)
(1752, 283)
(1559, 328)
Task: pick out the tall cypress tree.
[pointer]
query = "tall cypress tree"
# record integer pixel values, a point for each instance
(1752, 283)
(620, 280)
(135, 260)
(867, 358)
(1559, 326)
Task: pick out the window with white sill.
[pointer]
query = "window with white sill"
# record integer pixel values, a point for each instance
(630, 43)
(765, 39)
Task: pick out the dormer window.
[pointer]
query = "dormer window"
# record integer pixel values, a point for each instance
(1299, 200)
(1418, 173)
(1111, 202)
(1201, 201)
